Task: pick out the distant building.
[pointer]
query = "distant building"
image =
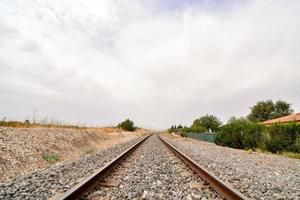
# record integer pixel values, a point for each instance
(289, 118)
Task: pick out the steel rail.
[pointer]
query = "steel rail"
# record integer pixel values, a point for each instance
(224, 189)
(91, 181)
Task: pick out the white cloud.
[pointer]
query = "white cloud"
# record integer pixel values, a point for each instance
(102, 61)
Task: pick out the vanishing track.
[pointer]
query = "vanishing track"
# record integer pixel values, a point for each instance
(152, 169)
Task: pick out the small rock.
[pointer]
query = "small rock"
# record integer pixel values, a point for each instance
(144, 195)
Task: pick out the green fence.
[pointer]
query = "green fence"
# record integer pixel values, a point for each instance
(208, 137)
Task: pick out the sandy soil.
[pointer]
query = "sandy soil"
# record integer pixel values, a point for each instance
(23, 150)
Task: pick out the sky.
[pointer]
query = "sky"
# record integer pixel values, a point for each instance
(157, 62)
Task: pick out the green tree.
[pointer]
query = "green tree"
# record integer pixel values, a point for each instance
(282, 108)
(172, 129)
(208, 122)
(236, 119)
(262, 111)
(127, 125)
(265, 110)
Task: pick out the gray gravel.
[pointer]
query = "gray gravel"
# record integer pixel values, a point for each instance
(57, 179)
(153, 172)
(256, 175)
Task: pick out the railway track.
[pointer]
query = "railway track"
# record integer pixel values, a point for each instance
(152, 169)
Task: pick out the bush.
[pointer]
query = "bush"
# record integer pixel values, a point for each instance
(244, 134)
(282, 137)
(127, 125)
(241, 134)
(183, 134)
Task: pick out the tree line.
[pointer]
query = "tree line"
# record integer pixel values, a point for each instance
(248, 132)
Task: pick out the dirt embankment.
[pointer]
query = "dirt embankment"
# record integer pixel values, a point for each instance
(23, 150)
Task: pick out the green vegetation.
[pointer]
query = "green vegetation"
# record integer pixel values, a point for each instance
(201, 125)
(282, 137)
(51, 158)
(248, 133)
(127, 125)
(244, 134)
(209, 122)
(183, 134)
(240, 133)
(265, 110)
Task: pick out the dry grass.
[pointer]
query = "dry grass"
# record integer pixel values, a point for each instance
(17, 124)
(104, 129)
(291, 155)
(249, 151)
(59, 124)
(89, 150)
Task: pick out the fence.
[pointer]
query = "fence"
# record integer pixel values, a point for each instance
(208, 137)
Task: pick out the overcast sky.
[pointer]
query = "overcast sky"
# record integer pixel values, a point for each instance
(157, 62)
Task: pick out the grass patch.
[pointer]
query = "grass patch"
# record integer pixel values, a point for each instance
(51, 158)
(291, 155)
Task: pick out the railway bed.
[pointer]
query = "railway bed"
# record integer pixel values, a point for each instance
(152, 169)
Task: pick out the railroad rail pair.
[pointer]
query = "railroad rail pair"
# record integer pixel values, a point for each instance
(88, 183)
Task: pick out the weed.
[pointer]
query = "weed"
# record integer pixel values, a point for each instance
(51, 158)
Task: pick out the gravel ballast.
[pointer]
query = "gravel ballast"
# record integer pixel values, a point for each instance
(256, 175)
(154, 172)
(60, 178)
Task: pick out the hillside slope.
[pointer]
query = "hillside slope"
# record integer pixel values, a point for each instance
(23, 150)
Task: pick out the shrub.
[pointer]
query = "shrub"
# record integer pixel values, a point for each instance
(240, 133)
(244, 134)
(127, 125)
(282, 137)
(183, 134)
